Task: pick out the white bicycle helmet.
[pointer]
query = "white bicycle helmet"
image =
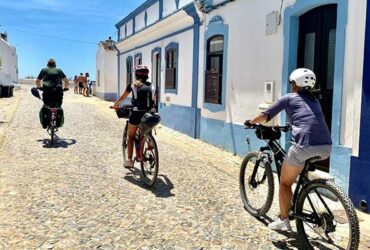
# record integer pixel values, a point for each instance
(303, 78)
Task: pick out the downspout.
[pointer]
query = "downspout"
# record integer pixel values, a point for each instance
(191, 11)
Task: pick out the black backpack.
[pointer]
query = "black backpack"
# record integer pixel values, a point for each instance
(143, 98)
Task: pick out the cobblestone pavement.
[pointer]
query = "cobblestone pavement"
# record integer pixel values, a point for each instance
(77, 195)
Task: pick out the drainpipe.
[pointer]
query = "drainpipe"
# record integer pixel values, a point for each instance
(191, 11)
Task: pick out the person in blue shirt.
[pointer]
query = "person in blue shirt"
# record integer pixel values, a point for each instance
(311, 136)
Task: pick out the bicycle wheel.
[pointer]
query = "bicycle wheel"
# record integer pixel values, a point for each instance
(258, 194)
(124, 144)
(326, 218)
(150, 160)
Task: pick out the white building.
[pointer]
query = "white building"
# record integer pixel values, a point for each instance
(8, 61)
(106, 72)
(220, 62)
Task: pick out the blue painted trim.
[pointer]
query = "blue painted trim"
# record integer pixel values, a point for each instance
(160, 39)
(146, 18)
(133, 25)
(228, 136)
(138, 55)
(340, 160)
(185, 113)
(118, 72)
(125, 30)
(173, 46)
(177, 4)
(191, 11)
(158, 50)
(160, 9)
(359, 188)
(213, 29)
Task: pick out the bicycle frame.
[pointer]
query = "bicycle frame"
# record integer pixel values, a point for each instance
(278, 153)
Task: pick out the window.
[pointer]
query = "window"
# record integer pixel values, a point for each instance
(214, 70)
(171, 67)
(128, 70)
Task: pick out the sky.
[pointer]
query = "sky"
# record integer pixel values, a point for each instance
(43, 29)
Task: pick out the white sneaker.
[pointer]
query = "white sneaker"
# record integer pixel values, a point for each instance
(280, 225)
(128, 164)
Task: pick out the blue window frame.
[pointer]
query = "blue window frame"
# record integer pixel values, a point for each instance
(172, 61)
(138, 59)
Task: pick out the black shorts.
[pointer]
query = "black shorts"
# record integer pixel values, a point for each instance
(80, 85)
(53, 97)
(135, 117)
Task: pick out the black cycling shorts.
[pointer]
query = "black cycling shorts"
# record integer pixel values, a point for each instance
(53, 97)
(135, 117)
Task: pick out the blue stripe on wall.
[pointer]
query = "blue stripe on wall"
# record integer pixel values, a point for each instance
(179, 118)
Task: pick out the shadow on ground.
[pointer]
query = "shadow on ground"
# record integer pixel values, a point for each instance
(58, 143)
(161, 188)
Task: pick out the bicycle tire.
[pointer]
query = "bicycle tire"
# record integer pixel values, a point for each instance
(124, 144)
(52, 134)
(265, 207)
(149, 175)
(354, 229)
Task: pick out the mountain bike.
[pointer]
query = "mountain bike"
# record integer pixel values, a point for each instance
(146, 149)
(325, 216)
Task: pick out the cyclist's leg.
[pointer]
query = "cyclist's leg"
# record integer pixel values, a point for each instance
(289, 174)
(130, 142)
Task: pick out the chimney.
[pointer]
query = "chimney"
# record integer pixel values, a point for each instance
(4, 36)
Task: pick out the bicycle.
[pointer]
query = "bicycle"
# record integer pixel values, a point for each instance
(312, 221)
(146, 149)
(54, 121)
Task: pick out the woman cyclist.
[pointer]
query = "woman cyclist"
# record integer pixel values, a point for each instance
(142, 101)
(311, 136)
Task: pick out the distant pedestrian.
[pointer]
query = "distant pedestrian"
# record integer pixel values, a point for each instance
(85, 80)
(80, 83)
(75, 81)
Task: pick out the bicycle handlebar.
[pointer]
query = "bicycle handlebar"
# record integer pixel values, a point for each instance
(249, 125)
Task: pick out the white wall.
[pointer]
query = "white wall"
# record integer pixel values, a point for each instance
(182, 3)
(354, 56)
(122, 31)
(153, 14)
(106, 64)
(140, 21)
(9, 63)
(130, 28)
(169, 6)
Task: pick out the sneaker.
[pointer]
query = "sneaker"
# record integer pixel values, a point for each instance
(280, 225)
(128, 164)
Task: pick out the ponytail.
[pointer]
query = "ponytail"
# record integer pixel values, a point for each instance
(311, 93)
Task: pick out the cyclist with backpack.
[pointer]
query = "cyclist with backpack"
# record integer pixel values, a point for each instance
(52, 79)
(142, 101)
(311, 136)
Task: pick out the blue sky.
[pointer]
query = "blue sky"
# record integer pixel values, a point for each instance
(83, 20)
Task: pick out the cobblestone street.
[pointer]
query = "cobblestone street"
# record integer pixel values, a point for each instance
(77, 195)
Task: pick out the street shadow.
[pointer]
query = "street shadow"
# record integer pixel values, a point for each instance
(58, 143)
(161, 188)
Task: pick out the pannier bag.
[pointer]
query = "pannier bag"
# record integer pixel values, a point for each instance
(45, 116)
(148, 122)
(125, 111)
(268, 133)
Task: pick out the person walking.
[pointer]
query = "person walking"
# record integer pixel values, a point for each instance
(75, 81)
(80, 83)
